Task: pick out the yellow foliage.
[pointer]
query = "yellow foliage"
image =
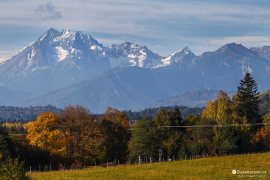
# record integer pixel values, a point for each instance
(116, 116)
(210, 110)
(44, 133)
(261, 134)
(266, 121)
(220, 109)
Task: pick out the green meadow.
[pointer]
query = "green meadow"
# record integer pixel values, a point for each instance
(252, 166)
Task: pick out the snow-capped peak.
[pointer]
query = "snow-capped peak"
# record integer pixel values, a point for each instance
(178, 57)
(50, 34)
(132, 54)
(67, 39)
(71, 49)
(263, 48)
(60, 58)
(128, 47)
(186, 50)
(65, 36)
(263, 51)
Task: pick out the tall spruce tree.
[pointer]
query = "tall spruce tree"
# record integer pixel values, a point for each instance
(247, 100)
(246, 104)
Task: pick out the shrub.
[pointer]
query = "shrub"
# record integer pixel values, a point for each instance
(12, 170)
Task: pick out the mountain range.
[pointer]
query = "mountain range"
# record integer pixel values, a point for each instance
(67, 67)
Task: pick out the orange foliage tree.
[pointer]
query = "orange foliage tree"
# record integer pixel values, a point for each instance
(44, 133)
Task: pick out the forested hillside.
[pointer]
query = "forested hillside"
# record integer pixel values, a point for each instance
(265, 102)
(11, 113)
(151, 112)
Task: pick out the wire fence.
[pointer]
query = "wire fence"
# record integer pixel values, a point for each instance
(147, 160)
(141, 161)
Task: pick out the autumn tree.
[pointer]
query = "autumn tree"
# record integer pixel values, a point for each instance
(44, 133)
(171, 137)
(220, 111)
(4, 148)
(115, 125)
(116, 116)
(83, 136)
(265, 132)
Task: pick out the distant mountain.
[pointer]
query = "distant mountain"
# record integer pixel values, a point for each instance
(265, 102)
(62, 58)
(183, 57)
(190, 99)
(66, 67)
(131, 54)
(124, 88)
(264, 51)
(55, 60)
(223, 68)
(11, 97)
(136, 88)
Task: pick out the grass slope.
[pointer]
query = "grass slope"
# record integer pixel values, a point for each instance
(204, 168)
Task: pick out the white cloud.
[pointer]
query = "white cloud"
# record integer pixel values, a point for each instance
(164, 25)
(48, 11)
(128, 16)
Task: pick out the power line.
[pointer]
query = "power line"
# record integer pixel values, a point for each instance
(215, 125)
(209, 125)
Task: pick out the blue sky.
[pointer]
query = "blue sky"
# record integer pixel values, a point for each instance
(164, 26)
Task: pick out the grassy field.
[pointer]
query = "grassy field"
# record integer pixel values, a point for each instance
(204, 168)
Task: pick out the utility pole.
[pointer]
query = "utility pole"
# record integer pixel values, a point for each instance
(160, 155)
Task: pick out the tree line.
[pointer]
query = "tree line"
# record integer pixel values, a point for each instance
(75, 137)
(152, 112)
(13, 114)
(226, 126)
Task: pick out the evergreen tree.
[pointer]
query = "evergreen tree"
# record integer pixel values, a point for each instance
(247, 100)
(144, 141)
(201, 139)
(246, 106)
(115, 125)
